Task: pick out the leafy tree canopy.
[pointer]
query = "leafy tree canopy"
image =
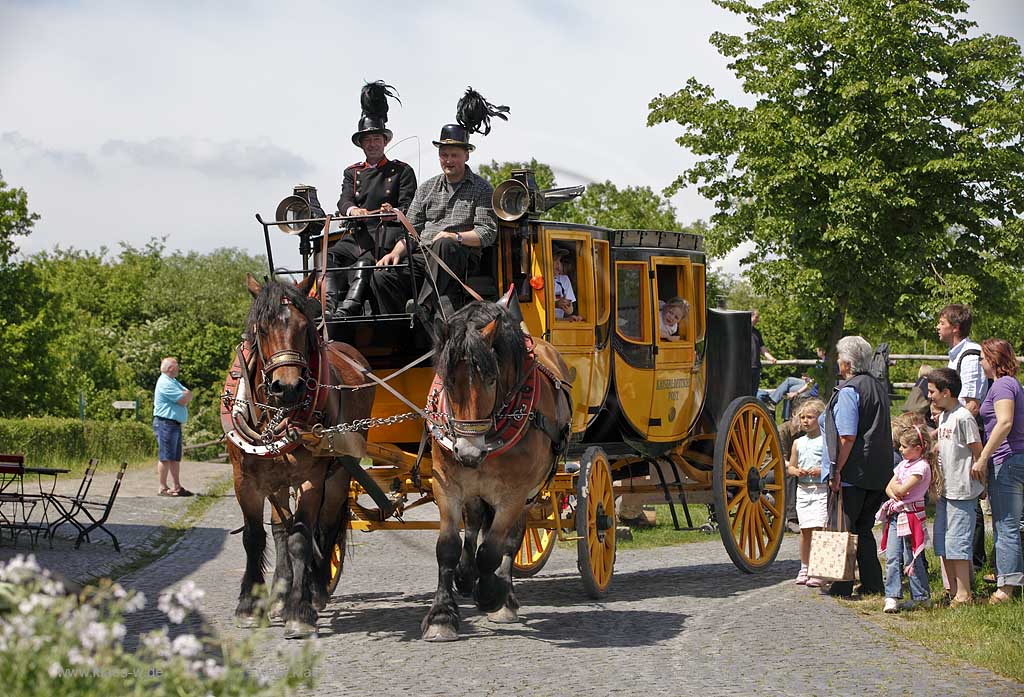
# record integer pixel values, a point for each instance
(878, 171)
(497, 172)
(15, 219)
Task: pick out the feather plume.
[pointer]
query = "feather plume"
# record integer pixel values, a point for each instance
(475, 113)
(374, 99)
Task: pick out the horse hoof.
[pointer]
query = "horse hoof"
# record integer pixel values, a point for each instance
(440, 632)
(246, 621)
(276, 610)
(295, 629)
(504, 616)
(319, 602)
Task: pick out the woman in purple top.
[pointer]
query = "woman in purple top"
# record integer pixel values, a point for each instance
(1002, 461)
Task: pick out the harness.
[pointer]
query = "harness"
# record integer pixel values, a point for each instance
(507, 425)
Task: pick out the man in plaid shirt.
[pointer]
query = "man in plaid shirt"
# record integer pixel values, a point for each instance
(452, 213)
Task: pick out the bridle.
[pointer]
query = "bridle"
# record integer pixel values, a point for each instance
(279, 436)
(288, 357)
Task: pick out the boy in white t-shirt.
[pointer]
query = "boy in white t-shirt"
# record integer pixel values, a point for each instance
(562, 289)
(959, 444)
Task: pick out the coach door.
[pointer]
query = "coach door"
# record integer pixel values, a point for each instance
(679, 369)
(573, 333)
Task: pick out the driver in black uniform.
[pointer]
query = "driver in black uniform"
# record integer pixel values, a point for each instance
(376, 183)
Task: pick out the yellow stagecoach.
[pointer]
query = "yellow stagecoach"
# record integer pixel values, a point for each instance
(652, 416)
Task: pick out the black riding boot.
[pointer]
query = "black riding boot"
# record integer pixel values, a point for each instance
(359, 282)
(332, 295)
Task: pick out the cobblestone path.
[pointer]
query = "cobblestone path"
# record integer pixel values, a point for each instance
(677, 621)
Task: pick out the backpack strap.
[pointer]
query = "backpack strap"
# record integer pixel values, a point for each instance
(964, 354)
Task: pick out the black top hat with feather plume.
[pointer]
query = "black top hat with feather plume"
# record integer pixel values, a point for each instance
(374, 101)
(474, 114)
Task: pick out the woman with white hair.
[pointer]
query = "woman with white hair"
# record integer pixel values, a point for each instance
(857, 455)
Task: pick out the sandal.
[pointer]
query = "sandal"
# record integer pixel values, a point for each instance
(999, 597)
(165, 492)
(182, 491)
(954, 603)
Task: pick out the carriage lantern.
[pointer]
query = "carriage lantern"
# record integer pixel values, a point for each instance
(300, 211)
(519, 196)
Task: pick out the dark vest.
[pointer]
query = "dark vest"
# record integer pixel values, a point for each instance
(870, 463)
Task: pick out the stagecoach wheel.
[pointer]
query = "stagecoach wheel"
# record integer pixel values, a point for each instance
(748, 485)
(538, 543)
(335, 568)
(595, 522)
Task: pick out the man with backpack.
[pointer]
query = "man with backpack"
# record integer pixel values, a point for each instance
(954, 329)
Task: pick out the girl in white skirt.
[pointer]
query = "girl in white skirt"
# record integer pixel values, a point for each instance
(811, 493)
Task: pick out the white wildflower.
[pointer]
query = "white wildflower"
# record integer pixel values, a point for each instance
(94, 635)
(117, 631)
(118, 590)
(189, 595)
(19, 569)
(213, 670)
(157, 642)
(55, 669)
(75, 657)
(134, 603)
(23, 625)
(167, 605)
(52, 588)
(186, 645)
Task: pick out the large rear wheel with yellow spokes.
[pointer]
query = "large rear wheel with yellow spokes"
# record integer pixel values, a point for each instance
(538, 542)
(748, 485)
(595, 522)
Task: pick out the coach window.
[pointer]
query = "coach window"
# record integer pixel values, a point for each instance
(632, 301)
(674, 285)
(566, 284)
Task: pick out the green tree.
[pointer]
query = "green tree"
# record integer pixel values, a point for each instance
(631, 208)
(497, 172)
(27, 360)
(15, 219)
(879, 167)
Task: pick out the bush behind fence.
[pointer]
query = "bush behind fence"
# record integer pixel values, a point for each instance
(51, 440)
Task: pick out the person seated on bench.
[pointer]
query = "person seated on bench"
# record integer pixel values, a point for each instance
(452, 214)
(564, 295)
(671, 314)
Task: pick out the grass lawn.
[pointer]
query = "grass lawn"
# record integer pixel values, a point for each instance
(982, 635)
(665, 535)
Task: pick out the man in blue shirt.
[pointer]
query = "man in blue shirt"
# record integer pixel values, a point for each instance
(170, 411)
(856, 458)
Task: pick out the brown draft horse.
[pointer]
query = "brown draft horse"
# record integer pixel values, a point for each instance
(487, 463)
(290, 395)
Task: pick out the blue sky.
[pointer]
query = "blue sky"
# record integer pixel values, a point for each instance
(128, 120)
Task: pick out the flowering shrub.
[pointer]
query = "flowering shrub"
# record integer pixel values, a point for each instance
(55, 644)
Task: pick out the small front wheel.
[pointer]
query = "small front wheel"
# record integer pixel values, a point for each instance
(595, 522)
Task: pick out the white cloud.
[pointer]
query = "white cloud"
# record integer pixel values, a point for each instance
(231, 160)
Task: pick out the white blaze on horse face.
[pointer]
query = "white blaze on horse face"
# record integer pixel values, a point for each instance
(474, 401)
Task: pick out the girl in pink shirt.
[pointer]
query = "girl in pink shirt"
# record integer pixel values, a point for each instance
(904, 533)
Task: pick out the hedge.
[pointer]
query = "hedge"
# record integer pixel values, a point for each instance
(52, 440)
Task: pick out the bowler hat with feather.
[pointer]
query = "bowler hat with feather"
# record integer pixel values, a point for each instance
(473, 115)
(374, 102)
